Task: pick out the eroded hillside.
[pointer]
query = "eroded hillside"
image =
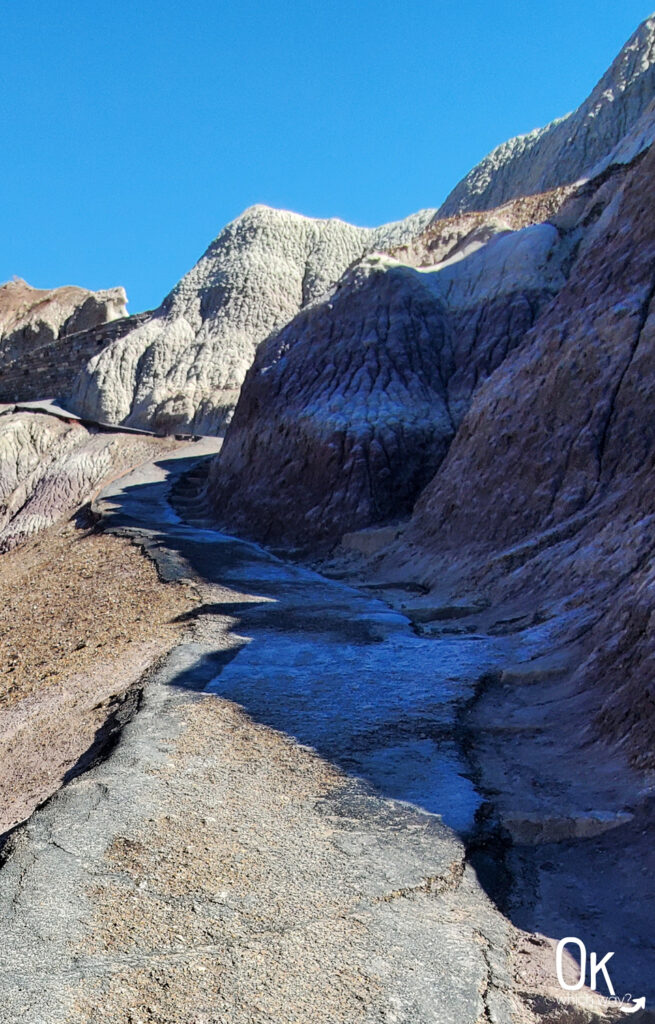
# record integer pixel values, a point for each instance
(234, 787)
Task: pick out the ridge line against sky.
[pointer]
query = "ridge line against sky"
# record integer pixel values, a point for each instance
(134, 132)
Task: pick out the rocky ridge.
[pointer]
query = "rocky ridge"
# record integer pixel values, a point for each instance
(183, 367)
(579, 145)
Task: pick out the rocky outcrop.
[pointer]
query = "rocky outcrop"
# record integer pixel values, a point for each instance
(348, 411)
(50, 466)
(32, 318)
(453, 238)
(184, 366)
(576, 146)
(40, 352)
(519, 367)
(563, 385)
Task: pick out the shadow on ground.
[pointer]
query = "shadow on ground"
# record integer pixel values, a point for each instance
(342, 673)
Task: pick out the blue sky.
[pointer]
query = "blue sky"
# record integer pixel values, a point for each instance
(133, 131)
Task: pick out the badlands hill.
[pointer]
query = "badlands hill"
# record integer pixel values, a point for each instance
(579, 145)
(452, 413)
(183, 367)
(484, 372)
(505, 357)
(348, 411)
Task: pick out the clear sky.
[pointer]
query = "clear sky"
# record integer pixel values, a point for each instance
(133, 130)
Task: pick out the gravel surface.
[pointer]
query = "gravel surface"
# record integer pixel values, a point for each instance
(82, 615)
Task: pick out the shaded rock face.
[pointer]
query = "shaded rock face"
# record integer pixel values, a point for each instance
(348, 411)
(184, 366)
(568, 416)
(332, 420)
(576, 146)
(546, 493)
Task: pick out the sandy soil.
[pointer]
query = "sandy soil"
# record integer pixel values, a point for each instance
(82, 616)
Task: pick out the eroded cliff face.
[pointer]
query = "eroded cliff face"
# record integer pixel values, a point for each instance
(344, 413)
(33, 318)
(350, 409)
(183, 367)
(567, 420)
(545, 498)
(576, 146)
(352, 406)
(322, 443)
(518, 371)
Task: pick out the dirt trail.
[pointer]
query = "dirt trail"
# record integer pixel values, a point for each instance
(215, 867)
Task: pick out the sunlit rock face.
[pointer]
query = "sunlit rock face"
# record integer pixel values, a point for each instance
(50, 466)
(33, 318)
(348, 411)
(47, 335)
(576, 146)
(183, 367)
